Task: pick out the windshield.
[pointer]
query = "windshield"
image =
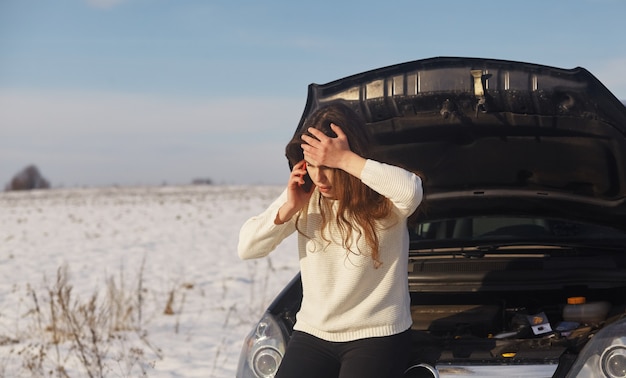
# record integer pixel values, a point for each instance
(509, 228)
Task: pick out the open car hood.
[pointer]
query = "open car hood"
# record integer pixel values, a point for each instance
(496, 137)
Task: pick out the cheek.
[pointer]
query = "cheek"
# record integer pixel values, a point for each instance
(329, 175)
(312, 172)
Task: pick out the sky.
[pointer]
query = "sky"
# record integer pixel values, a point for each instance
(162, 92)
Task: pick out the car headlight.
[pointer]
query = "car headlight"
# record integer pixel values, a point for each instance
(263, 349)
(604, 356)
(613, 362)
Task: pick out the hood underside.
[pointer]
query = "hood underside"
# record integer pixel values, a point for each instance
(494, 137)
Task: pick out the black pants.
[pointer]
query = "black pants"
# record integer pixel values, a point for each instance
(378, 357)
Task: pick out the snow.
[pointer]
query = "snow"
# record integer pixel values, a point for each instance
(171, 251)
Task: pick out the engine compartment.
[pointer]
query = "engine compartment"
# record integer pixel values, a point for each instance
(513, 327)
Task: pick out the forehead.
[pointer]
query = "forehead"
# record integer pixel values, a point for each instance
(322, 167)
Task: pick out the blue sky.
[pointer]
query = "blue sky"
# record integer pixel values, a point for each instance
(146, 92)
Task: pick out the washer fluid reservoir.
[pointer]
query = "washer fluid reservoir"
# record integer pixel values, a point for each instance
(579, 310)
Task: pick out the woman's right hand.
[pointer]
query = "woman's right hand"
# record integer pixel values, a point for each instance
(297, 196)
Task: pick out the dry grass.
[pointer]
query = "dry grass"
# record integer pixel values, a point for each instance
(196, 300)
(105, 335)
(67, 336)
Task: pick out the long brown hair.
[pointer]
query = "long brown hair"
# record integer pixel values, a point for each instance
(360, 208)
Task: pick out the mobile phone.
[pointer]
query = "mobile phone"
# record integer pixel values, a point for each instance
(308, 183)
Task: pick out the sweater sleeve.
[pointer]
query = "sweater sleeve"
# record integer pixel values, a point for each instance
(403, 188)
(259, 235)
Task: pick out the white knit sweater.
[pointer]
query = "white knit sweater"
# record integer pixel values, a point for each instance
(344, 297)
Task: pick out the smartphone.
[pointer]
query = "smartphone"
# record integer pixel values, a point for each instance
(308, 183)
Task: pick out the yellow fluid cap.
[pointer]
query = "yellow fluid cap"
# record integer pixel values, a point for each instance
(576, 300)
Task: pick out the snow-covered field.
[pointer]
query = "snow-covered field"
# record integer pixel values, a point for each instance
(170, 255)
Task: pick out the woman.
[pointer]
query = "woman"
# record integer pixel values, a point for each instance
(353, 246)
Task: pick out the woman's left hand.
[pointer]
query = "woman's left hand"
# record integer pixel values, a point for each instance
(332, 152)
(326, 151)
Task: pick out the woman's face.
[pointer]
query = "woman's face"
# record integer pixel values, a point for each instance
(322, 177)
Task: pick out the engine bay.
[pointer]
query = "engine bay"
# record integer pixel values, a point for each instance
(508, 327)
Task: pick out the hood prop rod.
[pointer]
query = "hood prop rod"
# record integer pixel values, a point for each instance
(479, 91)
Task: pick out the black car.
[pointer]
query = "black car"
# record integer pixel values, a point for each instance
(518, 256)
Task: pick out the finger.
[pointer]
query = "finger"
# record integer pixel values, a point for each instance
(299, 170)
(307, 149)
(309, 140)
(297, 174)
(297, 178)
(317, 133)
(297, 167)
(294, 182)
(300, 165)
(305, 138)
(302, 172)
(337, 130)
